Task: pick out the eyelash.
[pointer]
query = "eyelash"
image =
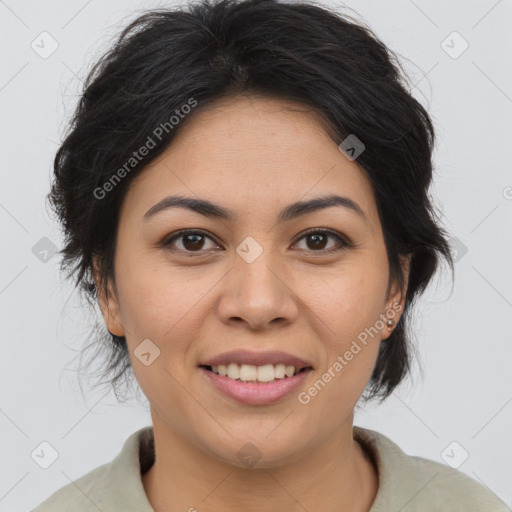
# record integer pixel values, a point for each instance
(343, 242)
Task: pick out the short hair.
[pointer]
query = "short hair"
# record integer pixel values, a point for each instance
(210, 50)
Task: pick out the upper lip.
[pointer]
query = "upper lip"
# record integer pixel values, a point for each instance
(256, 359)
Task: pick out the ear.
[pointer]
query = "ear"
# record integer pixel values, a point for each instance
(108, 303)
(396, 298)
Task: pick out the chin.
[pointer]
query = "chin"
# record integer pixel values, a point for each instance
(257, 452)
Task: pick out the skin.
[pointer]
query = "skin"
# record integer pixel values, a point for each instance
(254, 156)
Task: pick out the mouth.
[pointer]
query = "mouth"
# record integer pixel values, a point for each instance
(253, 374)
(246, 389)
(249, 366)
(255, 378)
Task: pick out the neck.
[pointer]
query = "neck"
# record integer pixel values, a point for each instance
(334, 476)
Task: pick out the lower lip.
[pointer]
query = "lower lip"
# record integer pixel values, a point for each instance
(256, 393)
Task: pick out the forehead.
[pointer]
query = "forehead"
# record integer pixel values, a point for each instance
(251, 151)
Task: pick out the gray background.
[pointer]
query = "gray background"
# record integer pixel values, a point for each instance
(463, 337)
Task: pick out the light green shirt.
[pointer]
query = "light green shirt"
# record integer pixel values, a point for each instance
(406, 483)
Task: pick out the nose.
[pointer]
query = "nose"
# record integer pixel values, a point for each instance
(258, 294)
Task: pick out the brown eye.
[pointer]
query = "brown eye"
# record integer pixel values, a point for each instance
(193, 241)
(189, 241)
(317, 241)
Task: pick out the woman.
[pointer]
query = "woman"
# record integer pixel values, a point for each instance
(244, 191)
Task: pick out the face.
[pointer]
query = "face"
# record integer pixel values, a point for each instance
(312, 283)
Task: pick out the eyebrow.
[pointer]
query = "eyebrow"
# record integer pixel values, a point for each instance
(290, 212)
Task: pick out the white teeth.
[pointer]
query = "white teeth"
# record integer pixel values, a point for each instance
(280, 370)
(248, 372)
(233, 371)
(251, 373)
(289, 370)
(266, 373)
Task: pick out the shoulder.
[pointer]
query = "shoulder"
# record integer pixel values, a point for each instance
(410, 483)
(116, 485)
(75, 495)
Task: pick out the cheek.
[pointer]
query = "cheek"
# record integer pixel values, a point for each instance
(348, 300)
(350, 307)
(166, 306)
(346, 306)
(157, 304)
(154, 298)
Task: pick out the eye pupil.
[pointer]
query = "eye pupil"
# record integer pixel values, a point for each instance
(194, 244)
(317, 238)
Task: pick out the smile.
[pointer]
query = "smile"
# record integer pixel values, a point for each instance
(252, 391)
(253, 373)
